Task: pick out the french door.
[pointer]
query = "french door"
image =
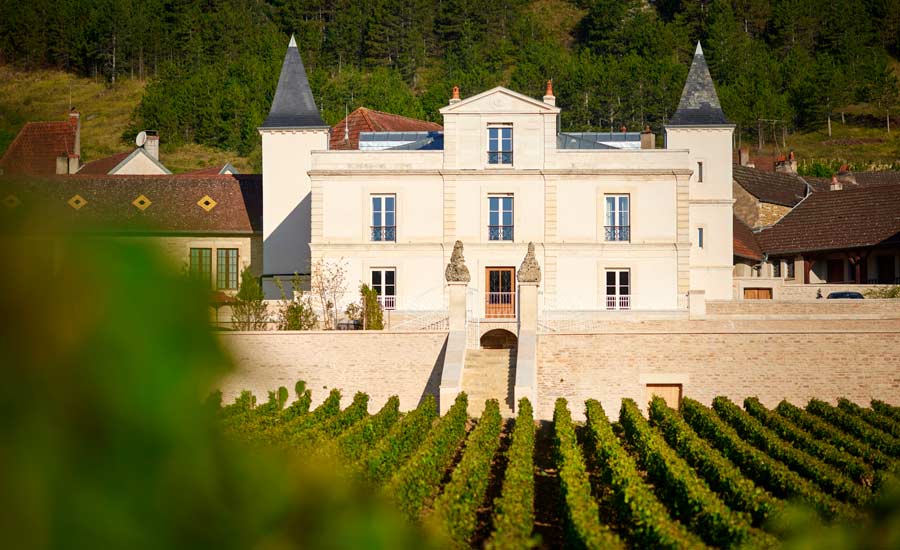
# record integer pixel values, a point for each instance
(500, 292)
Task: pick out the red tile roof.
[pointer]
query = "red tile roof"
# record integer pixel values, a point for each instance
(851, 180)
(770, 187)
(101, 167)
(745, 245)
(173, 200)
(36, 147)
(834, 220)
(367, 120)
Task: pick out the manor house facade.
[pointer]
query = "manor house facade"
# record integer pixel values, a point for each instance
(614, 228)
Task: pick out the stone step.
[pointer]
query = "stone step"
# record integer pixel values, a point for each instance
(487, 375)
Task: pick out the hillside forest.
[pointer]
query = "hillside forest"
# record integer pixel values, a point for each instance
(212, 65)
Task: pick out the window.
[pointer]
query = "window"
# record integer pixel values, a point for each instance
(500, 218)
(500, 149)
(227, 268)
(700, 237)
(384, 281)
(384, 218)
(618, 218)
(618, 289)
(201, 264)
(700, 172)
(790, 269)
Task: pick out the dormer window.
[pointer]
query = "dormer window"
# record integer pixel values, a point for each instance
(500, 150)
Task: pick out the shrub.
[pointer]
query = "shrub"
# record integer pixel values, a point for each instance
(363, 436)
(249, 312)
(887, 410)
(854, 466)
(583, 528)
(419, 479)
(401, 442)
(855, 426)
(647, 519)
(456, 509)
(876, 420)
(688, 496)
(883, 292)
(368, 311)
(331, 428)
(721, 474)
(514, 509)
(296, 312)
(758, 466)
(806, 465)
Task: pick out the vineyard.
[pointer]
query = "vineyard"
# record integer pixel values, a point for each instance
(723, 476)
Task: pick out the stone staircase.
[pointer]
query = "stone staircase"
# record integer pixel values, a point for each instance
(490, 374)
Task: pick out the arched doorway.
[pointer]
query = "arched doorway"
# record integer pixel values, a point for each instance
(498, 338)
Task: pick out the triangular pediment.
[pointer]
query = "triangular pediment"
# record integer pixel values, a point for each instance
(499, 100)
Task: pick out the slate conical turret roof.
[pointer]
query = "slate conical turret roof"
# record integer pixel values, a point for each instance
(699, 105)
(293, 106)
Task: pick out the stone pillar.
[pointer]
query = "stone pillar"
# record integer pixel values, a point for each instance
(697, 304)
(458, 305)
(457, 276)
(528, 306)
(529, 277)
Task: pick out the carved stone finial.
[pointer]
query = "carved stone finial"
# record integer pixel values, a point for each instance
(456, 271)
(530, 270)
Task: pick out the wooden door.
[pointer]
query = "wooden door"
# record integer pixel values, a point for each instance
(500, 292)
(671, 393)
(757, 293)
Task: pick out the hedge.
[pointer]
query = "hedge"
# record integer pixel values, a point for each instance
(856, 427)
(688, 496)
(887, 410)
(738, 492)
(289, 434)
(456, 509)
(758, 466)
(334, 426)
(363, 436)
(419, 480)
(647, 519)
(808, 466)
(514, 509)
(874, 419)
(583, 527)
(400, 443)
(842, 440)
(854, 466)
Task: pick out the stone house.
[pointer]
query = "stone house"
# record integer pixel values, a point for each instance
(45, 148)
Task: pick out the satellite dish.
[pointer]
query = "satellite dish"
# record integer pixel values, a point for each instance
(141, 139)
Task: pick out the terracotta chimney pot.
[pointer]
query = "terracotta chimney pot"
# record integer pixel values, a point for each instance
(455, 97)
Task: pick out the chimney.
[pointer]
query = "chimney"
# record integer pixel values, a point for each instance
(455, 97)
(786, 165)
(835, 184)
(648, 140)
(845, 176)
(744, 156)
(549, 98)
(75, 120)
(623, 129)
(151, 146)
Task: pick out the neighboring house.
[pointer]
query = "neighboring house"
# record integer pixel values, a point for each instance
(762, 198)
(346, 133)
(614, 229)
(845, 179)
(45, 148)
(747, 253)
(143, 161)
(209, 226)
(226, 169)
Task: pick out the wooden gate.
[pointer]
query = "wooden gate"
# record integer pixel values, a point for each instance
(757, 293)
(670, 392)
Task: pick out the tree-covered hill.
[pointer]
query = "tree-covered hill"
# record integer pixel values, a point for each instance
(213, 64)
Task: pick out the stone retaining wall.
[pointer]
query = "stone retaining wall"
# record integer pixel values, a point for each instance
(888, 309)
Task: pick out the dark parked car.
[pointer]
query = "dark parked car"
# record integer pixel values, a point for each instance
(845, 296)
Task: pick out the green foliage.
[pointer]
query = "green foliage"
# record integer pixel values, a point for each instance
(855, 467)
(250, 311)
(722, 476)
(418, 481)
(296, 312)
(883, 292)
(400, 443)
(365, 435)
(456, 509)
(327, 430)
(876, 420)
(368, 311)
(689, 498)
(758, 466)
(514, 509)
(583, 528)
(824, 430)
(887, 410)
(647, 519)
(753, 431)
(855, 426)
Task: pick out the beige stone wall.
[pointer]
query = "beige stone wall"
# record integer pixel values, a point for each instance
(746, 206)
(859, 360)
(382, 364)
(889, 309)
(770, 213)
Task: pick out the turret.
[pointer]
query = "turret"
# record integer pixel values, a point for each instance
(700, 126)
(290, 133)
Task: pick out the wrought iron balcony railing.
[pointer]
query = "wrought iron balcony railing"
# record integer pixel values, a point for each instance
(500, 232)
(618, 232)
(500, 157)
(384, 232)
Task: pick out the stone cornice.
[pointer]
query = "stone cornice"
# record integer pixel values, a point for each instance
(484, 173)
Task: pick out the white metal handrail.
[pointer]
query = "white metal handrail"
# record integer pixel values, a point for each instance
(622, 301)
(387, 302)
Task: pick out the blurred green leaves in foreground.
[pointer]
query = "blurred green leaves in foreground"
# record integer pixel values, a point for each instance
(106, 443)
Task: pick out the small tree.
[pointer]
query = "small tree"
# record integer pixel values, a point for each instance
(329, 286)
(367, 311)
(884, 292)
(250, 311)
(296, 312)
